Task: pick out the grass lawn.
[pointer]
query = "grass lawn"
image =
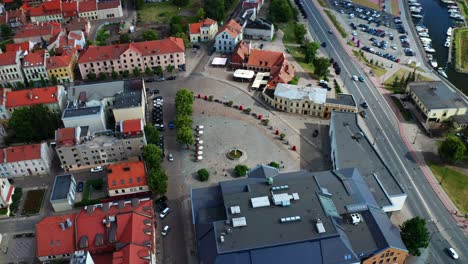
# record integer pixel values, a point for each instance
(33, 202)
(97, 185)
(454, 183)
(461, 49)
(404, 112)
(161, 12)
(368, 3)
(16, 200)
(402, 73)
(337, 24)
(299, 56)
(288, 32)
(377, 70)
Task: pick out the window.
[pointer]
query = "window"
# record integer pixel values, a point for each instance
(114, 183)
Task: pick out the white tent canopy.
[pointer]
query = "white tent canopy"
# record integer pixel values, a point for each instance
(244, 74)
(217, 61)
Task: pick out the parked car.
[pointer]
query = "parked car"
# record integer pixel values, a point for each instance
(196, 46)
(160, 79)
(452, 253)
(364, 105)
(97, 169)
(363, 114)
(355, 78)
(171, 125)
(79, 187)
(158, 99)
(165, 212)
(150, 80)
(361, 79)
(170, 78)
(156, 92)
(324, 44)
(170, 157)
(165, 230)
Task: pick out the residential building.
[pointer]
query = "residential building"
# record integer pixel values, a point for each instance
(34, 66)
(54, 97)
(88, 10)
(350, 148)
(116, 232)
(25, 47)
(68, 41)
(81, 113)
(3, 134)
(203, 30)
(63, 193)
(248, 15)
(10, 68)
(38, 32)
(126, 178)
(257, 4)
(259, 29)
(228, 36)
(341, 103)
(4, 113)
(26, 160)
(81, 24)
(80, 149)
(48, 11)
(6, 194)
(274, 62)
(13, 18)
(436, 102)
(62, 67)
(126, 57)
(109, 9)
(294, 217)
(129, 105)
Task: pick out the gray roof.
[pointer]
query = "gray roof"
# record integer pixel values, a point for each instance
(342, 99)
(128, 99)
(354, 150)
(101, 90)
(460, 119)
(61, 187)
(437, 95)
(265, 240)
(81, 111)
(259, 23)
(263, 171)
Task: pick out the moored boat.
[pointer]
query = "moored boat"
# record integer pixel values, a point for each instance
(442, 72)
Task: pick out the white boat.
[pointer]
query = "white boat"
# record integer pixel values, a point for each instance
(429, 56)
(433, 63)
(442, 72)
(429, 50)
(421, 29)
(448, 1)
(416, 15)
(447, 44)
(423, 34)
(414, 4)
(425, 40)
(416, 11)
(449, 31)
(453, 11)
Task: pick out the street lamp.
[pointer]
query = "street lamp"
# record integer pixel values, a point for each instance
(417, 132)
(376, 135)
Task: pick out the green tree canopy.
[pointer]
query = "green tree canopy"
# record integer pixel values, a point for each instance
(124, 38)
(125, 74)
(180, 2)
(281, 11)
(148, 71)
(185, 136)
(115, 75)
(241, 170)
(177, 25)
(201, 14)
(170, 68)
(184, 37)
(203, 174)
(91, 76)
(139, 4)
(215, 9)
(102, 76)
(157, 181)
(158, 71)
(54, 80)
(274, 164)
(183, 120)
(299, 32)
(152, 155)
(136, 72)
(152, 134)
(321, 65)
(311, 51)
(452, 149)
(415, 235)
(6, 30)
(101, 37)
(150, 35)
(184, 96)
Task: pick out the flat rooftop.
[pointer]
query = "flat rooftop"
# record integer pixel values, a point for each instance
(81, 111)
(99, 91)
(437, 95)
(128, 99)
(342, 99)
(61, 187)
(352, 152)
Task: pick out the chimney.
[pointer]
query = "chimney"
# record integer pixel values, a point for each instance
(30, 95)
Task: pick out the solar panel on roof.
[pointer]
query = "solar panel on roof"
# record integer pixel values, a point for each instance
(328, 206)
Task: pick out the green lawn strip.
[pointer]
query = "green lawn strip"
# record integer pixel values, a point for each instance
(401, 73)
(454, 183)
(404, 112)
(288, 32)
(322, 3)
(376, 69)
(337, 24)
(461, 49)
(161, 12)
(16, 198)
(367, 3)
(299, 56)
(33, 202)
(96, 184)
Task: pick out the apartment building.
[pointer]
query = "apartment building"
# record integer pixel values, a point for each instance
(54, 97)
(259, 29)
(126, 178)
(26, 160)
(37, 32)
(10, 68)
(203, 30)
(34, 66)
(81, 114)
(6, 194)
(62, 67)
(48, 11)
(228, 36)
(126, 57)
(62, 197)
(79, 149)
(130, 105)
(13, 18)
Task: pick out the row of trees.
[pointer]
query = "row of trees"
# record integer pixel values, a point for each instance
(400, 84)
(156, 176)
(321, 64)
(217, 9)
(281, 11)
(183, 121)
(125, 74)
(452, 149)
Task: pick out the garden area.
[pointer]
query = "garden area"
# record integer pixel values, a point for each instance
(164, 11)
(374, 65)
(33, 202)
(461, 50)
(454, 183)
(91, 187)
(397, 82)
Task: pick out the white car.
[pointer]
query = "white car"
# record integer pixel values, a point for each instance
(164, 212)
(200, 127)
(354, 33)
(323, 82)
(452, 253)
(170, 157)
(341, 11)
(394, 47)
(355, 78)
(165, 230)
(97, 169)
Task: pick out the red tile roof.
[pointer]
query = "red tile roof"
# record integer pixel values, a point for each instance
(7, 1)
(146, 48)
(25, 152)
(112, 235)
(7, 58)
(55, 62)
(232, 28)
(126, 175)
(108, 4)
(13, 16)
(87, 6)
(132, 126)
(195, 27)
(30, 97)
(24, 46)
(34, 59)
(65, 136)
(2, 155)
(49, 7)
(39, 29)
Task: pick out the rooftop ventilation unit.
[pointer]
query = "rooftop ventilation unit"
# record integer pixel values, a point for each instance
(356, 218)
(296, 196)
(262, 201)
(319, 226)
(277, 188)
(290, 219)
(239, 221)
(235, 209)
(282, 199)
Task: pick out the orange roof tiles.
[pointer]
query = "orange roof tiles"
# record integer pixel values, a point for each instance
(232, 28)
(108, 4)
(65, 136)
(25, 152)
(195, 27)
(34, 59)
(30, 97)
(2, 155)
(24, 46)
(39, 29)
(55, 62)
(52, 240)
(126, 175)
(50, 7)
(7, 58)
(87, 6)
(132, 126)
(146, 48)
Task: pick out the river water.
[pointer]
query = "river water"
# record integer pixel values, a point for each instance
(437, 20)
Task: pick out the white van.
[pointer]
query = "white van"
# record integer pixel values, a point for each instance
(164, 212)
(351, 15)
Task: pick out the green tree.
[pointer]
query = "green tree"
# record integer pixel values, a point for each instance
(152, 155)
(184, 37)
(177, 25)
(136, 72)
(201, 14)
(184, 96)
(148, 71)
(54, 80)
(281, 11)
(311, 51)
(124, 38)
(282, 135)
(158, 71)
(114, 75)
(241, 170)
(91, 76)
(396, 83)
(33, 124)
(101, 37)
(183, 120)
(180, 2)
(151, 134)
(150, 35)
(321, 65)
(452, 149)
(274, 164)
(102, 76)
(20, 85)
(203, 174)
(6, 30)
(185, 136)
(215, 9)
(157, 181)
(415, 235)
(299, 32)
(170, 68)
(139, 4)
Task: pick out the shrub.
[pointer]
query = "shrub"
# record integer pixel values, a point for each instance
(210, 98)
(274, 164)
(241, 170)
(230, 103)
(203, 174)
(282, 135)
(247, 110)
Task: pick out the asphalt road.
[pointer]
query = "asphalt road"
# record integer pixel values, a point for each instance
(422, 200)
